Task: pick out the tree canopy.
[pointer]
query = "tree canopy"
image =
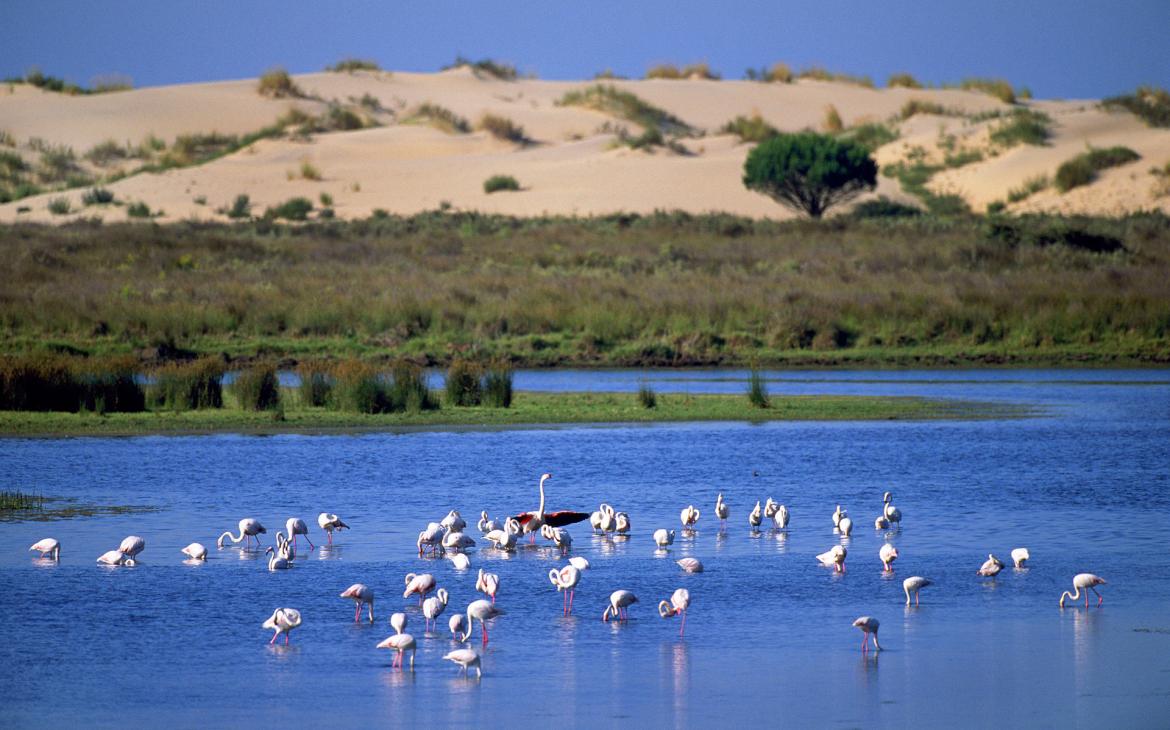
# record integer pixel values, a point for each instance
(810, 172)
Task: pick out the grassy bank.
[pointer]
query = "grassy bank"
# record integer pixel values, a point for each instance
(625, 290)
(527, 408)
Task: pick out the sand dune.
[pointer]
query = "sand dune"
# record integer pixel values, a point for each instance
(572, 168)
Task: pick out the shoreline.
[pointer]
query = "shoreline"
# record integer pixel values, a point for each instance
(529, 410)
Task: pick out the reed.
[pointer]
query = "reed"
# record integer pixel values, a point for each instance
(60, 383)
(18, 501)
(647, 397)
(181, 386)
(360, 388)
(257, 388)
(316, 383)
(497, 386)
(757, 391)
(408, 389)
(463, 383)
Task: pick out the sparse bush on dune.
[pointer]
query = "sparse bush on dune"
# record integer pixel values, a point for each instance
(308, 171)
(778, 72)
(871, 135)
(998, 88)
(496, 183)
(278, 84)
(819, 73)
(1161, 175)
(487, 66)
(6, 139)
(832, 121)
(608, 99)
(691, 71)
(439, 117)
(59, 206)
(1083, 169)
(902, 80)
(109, 152)
(241, 207)
(1028, 188)
(1149, 103)
(1023, 126)
(353, 64)
(749, 129)
(924, 106)
(97, 196)
(608, 74)
(503, 128)
(111, 83)
(293, 209)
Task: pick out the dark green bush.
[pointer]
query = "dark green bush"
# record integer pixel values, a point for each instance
(608, 99)
(1150, 103)
(439, 117)
(1023, 126)
(495, 183)
(502, 71)
(354, 64)
(1082, 169)
(749, 129)
(883, 207)
(241, 207)
(497, 386)
(757, 392)
(189, 386)
(316, 383)
(1041, 231)
(503, 128)
(278, 84)
(293, 209)
(59, 206)
(463, 383)
(257, 388)
(138, 210)
(408, 389)
(904, 80)
(97, 196)
(810, 172)
(647, 397)
(57, 383)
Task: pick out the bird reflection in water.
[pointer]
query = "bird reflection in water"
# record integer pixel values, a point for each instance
(328, 552)
(1085, 624)
(398, 679)
(781, 537)
(680, 672)
(689, 533)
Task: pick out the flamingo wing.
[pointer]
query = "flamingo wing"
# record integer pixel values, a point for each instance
(564, 517)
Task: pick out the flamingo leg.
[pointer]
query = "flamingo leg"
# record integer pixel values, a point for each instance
(286, 635)
(483, 630)
(311, 545)
(916, 598)
(1100, 598)
(572, 593)
(357, 612)
(273, 639)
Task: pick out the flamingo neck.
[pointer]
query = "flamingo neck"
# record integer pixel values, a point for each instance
(1071, 596)
(540, 512)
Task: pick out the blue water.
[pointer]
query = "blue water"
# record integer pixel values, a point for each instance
(1084, 486)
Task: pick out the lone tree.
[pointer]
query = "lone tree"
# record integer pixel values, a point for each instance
(809, 172)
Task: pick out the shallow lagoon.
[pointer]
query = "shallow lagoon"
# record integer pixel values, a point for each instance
(1084, 487)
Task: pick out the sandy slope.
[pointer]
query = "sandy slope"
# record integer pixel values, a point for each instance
(572, 168)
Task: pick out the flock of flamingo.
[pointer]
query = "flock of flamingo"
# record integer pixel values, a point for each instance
(447, 537)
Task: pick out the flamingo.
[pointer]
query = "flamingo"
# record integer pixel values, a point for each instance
(115, 557)
(433, 607)
(249, 528)
(881, 523)
(892, 513)
(621, 523)
(888, 555)
(278, 560)
(401, 643)
(360, 594)
(1084, 580)
(837, 515)
(296, 526)
(663, 538)
(1020, 556)
(990, 567)
(680, 601)
(453, 522)
(579, 562)
(780, 517)
(770, 507)
(421, 583)
(488, 583)
(755, 517)
(504, 539)
(195, 551)
(131, 546)
(596, 517)
(869, 627)
(914, 584)
(608, 522)
(481, 610)
(834, 558)
(487, 524)
(722, 511)
(431, 537)
(561, 537)
(457, 541)
(619, 601)
(398, 622)
(689, 516)
(455, 623)
(282, 621)
(460, 561)
(565, 580)
(690, 565)
(48, 547)
(845, 525)
(329, 522)
(531, 521)
(465, 658)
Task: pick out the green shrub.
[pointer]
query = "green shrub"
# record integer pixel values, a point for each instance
(496, 183)
(105, 153)
(647, 397)
(903, 80)
(497, 69)
(883, 207)
(923, 106)
(608, 99)
(871, 135)
(52, 83)
(59, 206)
(1023, 126)
(353, 64)
(749, 129)
(359, 387)
(97, 196)
(293, 209)
(278, 84)
(998, 88)
(463, 383)
(189, 386)
(408, 389)
(694, 70)
(138, 210)
(1083, 169)
(257, 388)
(757, 392)
(439, 117)
(1030, 187)
(316, 383)
(809, 172)
(1042, 231)
(241, 207)
(832, 122)
(503, 128)
(325, 199)
(57, 383)
(497, 386)
(309, 171)
(1150, 103)
(819, 73)
(780, 73)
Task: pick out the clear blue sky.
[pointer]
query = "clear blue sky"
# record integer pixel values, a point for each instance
(1058, 48)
